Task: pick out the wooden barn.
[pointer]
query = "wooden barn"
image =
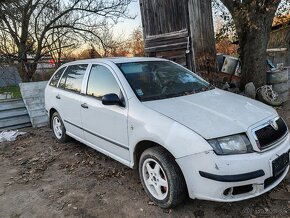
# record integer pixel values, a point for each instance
(180, 30)
(279, 44)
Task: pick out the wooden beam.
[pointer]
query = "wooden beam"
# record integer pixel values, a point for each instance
(277, 49)
(202, 35)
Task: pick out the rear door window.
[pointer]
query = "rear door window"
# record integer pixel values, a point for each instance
(54, 80)
(73, 77)
(102, 82)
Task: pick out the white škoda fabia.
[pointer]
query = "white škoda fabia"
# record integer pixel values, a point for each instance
(185, 136)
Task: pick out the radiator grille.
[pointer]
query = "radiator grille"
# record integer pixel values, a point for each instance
(269, 135)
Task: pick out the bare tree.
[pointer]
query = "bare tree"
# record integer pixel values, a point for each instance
(60, 41)
(136, 42)
(32, 25)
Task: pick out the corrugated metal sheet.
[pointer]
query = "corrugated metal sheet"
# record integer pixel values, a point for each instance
(13, 115)
(33, 95)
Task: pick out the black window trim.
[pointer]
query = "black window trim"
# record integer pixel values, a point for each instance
(116, 78)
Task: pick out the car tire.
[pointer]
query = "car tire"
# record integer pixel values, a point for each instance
(162, 178)
(58, 128)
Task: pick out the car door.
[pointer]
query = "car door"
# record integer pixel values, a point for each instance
(68, 97)
(105, 127)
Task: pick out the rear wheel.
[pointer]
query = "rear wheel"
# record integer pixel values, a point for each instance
(161, 177)
(58, 128)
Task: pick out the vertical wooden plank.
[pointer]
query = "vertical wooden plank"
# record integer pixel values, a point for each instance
(163, 16)
(202, 35)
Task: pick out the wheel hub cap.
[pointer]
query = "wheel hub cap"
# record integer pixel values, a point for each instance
(155, 179)
(57, 127)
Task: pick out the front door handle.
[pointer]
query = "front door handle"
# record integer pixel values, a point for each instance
(84, 105)
(58, 97)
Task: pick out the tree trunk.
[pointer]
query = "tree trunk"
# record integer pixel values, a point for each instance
(27, 70)
(22, 63)
(253, 45)
(253, 21)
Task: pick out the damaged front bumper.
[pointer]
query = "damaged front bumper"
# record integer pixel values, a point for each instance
(235, 177)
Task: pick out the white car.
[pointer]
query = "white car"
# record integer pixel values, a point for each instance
(185, 136)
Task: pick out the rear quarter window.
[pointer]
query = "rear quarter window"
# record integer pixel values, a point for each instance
(54, 80)
(73, 77)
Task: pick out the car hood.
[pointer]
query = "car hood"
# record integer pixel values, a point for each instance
(213, 113)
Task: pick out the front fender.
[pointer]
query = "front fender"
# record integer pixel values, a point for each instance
(146, 124)
(182, 141)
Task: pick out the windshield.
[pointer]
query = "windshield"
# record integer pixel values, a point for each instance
(152, 80)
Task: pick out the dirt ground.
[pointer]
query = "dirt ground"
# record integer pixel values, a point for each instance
(41, 178)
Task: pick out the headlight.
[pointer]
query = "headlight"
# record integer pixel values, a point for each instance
(234, 144)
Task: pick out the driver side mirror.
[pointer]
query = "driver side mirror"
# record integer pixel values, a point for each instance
(112, 99)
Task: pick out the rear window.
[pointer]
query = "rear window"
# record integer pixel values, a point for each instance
(54, 80)
(73, 77)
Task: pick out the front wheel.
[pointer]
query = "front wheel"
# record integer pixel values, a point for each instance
(161, 177)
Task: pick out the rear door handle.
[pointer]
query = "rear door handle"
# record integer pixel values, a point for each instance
(84, 105)
(58, 97)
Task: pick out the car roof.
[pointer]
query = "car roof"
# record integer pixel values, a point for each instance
(116, 60)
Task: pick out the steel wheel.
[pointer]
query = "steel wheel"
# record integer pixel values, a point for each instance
(155, 179)
(57, 127)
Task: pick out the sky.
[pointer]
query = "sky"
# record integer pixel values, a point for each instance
(126, 26)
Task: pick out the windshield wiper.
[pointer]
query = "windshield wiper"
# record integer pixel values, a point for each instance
(203, 89)
(150, 98)
(159, 97)
(210, 87)
(183, 93)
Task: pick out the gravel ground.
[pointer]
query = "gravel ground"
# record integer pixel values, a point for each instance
(40, 177)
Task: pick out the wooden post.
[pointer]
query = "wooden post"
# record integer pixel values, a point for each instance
(202, 35)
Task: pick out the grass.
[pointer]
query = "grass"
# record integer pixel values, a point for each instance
(14, 89)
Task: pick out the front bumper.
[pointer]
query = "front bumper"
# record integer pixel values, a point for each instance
(232, 177)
